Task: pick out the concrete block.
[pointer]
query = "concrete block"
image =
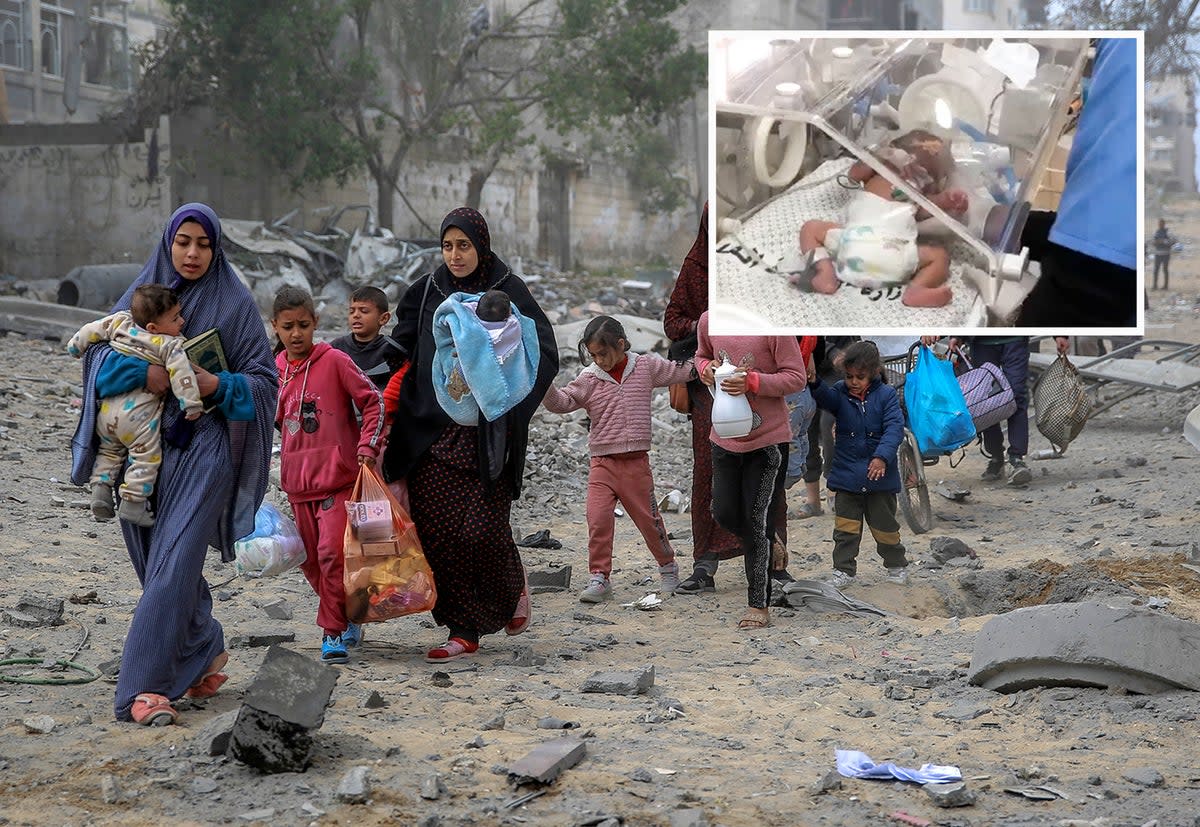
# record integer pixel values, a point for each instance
(48, 610)
(1094, 643)
(547, 761)
(277, 609)
(549, 580)
(1144, 776)
(281, 709)
(620, 683)
(943, 549)
(213, 738)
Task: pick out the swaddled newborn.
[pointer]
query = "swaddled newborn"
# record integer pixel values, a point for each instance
(877, 245)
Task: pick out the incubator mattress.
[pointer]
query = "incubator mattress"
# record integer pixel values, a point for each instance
(750, 288)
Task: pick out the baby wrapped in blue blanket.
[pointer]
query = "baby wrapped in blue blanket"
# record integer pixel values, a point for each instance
(486, 357)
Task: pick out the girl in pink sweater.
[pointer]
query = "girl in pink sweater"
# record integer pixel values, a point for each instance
(615, 391)
(744, 469)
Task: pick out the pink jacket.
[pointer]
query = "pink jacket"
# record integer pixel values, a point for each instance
(319, 462)
(780, 367)
(620, 411)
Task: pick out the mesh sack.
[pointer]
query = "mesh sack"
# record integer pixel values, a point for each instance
(1062, 403)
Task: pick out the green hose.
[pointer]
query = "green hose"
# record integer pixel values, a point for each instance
(92, 674)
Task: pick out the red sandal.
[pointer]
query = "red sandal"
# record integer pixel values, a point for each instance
(453, 649)
(211, 680)
(153, 710)
(522, 616)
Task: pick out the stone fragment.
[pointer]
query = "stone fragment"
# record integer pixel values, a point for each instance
(947, 548)
(954, 794)
(525, 656)
(690, 817)
(110, 790)
(39, 724)
(620, 683)
(827, 783)
(1092, 643)
(1144, 776)
(432, 787)
(281, 709)
(441, 679)
(374, 701)
(278, 609)
(261, 814)
(203, 786)
(355, 786)
(494, 722)
(964, 711)
(550, 580)
(213, 738)
(584, 617)
(642, 775)
(547, 761)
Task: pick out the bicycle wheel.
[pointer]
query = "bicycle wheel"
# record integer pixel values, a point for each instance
(914, 493)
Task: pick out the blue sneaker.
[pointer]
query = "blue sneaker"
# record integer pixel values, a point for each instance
(333, 650)
(353, 636)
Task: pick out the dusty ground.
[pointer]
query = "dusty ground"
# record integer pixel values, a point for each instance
(763, 712)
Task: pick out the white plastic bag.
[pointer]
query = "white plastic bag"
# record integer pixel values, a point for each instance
(272, 548)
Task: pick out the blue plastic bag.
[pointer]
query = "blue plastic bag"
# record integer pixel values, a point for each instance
(937, 411)
(272, 548)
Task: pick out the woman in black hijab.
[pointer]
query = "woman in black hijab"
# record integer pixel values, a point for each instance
(462, 479)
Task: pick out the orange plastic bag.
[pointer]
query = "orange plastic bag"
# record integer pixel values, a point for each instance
(386, 574)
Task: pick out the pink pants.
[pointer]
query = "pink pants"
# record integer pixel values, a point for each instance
(323, 530)
(623, 478)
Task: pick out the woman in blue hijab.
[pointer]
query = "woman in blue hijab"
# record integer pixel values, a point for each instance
(213, 476)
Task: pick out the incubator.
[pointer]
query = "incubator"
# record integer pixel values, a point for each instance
(792, 112)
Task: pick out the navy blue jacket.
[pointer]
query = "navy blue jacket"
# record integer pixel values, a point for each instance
(868, 428)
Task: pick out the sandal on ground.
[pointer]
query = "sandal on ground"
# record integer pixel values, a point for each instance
(152, 710)
(806, 510)
(453, 649)
(521, 617)
(211, 680)
(755, 619)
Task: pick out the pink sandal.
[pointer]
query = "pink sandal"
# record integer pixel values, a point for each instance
(522, 616)
(453, 649)
(153, 710)
(211, 680)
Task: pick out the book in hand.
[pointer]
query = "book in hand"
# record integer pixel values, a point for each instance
(205, 350)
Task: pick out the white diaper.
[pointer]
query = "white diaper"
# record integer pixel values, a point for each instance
(877, 247)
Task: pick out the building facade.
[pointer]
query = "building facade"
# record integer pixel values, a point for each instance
(1169, 129)
(983, 14)
(845, 15)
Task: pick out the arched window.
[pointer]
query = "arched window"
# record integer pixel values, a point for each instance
(11, 47)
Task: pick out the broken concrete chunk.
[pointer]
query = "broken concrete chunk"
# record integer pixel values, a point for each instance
(620, 683)
(256, 641)
(688, 818)
(278, 609)
(432, 787)
(550, 580)
(355, 786)
(943, 549)
(282, 708)
(1144, 776)
(954, 794)
(213, 738)
(1086, 644)
(374, 701)
(547, 761)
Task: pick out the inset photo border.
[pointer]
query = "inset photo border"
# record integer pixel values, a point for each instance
(876, 183)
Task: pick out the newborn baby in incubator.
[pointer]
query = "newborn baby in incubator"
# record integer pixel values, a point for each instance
(877, 246)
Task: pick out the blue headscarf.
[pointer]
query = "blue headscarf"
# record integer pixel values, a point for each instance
(218, 299)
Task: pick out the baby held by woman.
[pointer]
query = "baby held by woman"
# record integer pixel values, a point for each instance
(877, 245)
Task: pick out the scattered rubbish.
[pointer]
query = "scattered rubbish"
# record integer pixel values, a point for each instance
(819, 596)
(523, 799)
(675, 501)
(953, 492)
(539, 539)
(905, 818)
(1032, 793)
(650, 603)
(855, 764)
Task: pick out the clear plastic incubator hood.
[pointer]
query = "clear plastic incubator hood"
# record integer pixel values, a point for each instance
(791, 116)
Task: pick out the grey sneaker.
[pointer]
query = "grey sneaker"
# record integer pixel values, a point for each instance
(898, 575)
(1019, 474)
(668, 577)
(137, 513)
(102, 501)
(597, 590)
(994, 470)
(839, 579)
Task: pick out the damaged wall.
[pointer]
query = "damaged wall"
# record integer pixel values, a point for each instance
(73, 194)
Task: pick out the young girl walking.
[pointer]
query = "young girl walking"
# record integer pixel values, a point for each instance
(615, 391)
(864, 473)
(321, 447)
(745, 468)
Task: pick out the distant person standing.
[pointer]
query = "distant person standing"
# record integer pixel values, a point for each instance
(1163, 242)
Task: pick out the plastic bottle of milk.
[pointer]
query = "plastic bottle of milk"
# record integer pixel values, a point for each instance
(731, 415)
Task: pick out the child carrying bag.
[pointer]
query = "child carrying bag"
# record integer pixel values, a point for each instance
(990, 398)
(937, 411)
(386, 574)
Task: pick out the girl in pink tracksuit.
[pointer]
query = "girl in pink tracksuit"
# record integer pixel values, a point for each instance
(321, 448)
(615, 391)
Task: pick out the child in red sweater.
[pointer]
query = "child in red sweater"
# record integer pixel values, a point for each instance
(615, 390)
(321, 447)
(745, 468)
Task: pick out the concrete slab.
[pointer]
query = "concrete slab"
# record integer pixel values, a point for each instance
(1094, 643)
(547, 761)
